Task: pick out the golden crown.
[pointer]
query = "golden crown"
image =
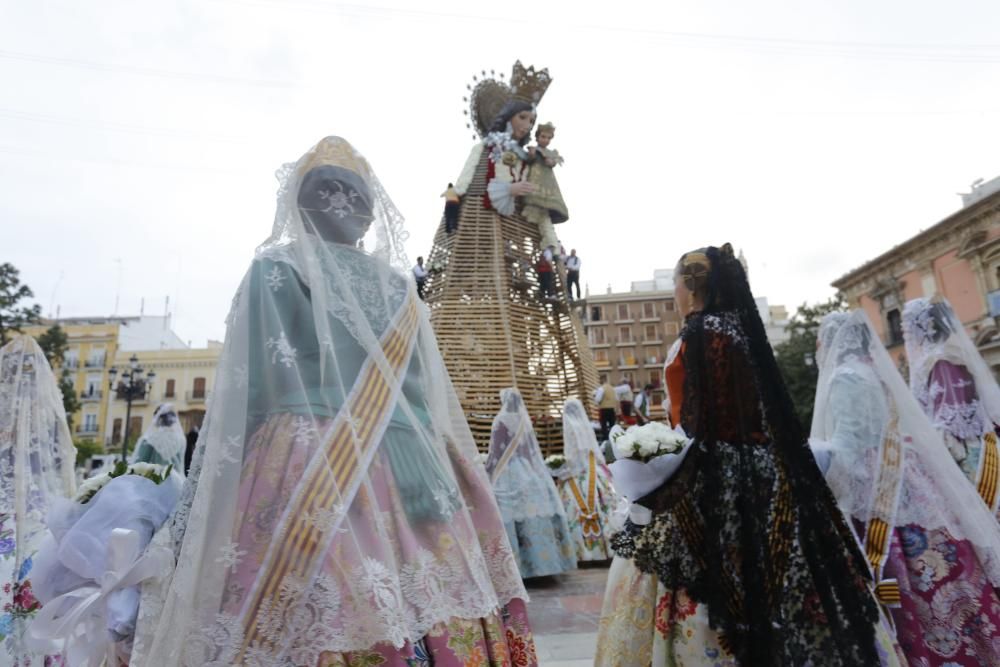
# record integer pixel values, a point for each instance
(529, 85)
(488, 93)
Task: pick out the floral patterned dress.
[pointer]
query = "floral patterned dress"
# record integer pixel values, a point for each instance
(590, 499)
(17, 602)
(658, 607)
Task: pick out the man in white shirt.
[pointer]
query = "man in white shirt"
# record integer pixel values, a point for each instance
(420, 275)
(573, 274)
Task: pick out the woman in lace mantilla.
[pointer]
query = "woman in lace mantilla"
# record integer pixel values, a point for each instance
(36, 468)
(954, 386)
(933, 548)
(163, 443)
(585, 486)
(533, 515)
(336, 514)
(746, 560)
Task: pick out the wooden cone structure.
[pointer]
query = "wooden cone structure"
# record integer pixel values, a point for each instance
(495, 329)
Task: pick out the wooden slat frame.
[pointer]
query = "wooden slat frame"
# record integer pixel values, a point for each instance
(493, 328)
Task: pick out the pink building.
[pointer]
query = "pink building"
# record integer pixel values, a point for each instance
(958, 258)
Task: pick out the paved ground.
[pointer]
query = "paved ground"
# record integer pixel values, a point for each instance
(564, 611)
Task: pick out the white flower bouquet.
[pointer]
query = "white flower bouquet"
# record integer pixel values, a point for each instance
(88, 571)
(555, 461)
(646, 456)
(151, 471)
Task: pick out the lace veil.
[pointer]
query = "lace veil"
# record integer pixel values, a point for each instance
(933, 333)
(578, 439)
(36, 450)
(862, 403)
(521, 481)
(334, 500)
(36, 467)
(166, 437)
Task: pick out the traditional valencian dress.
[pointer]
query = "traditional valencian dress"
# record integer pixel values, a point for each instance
(36, 468)
(338, 514)
(934, 548)
(163, 443)
(954, 386)
(746, 560)
(533, 514)
(585, 486)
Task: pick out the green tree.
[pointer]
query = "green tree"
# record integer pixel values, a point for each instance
(54, 344)
(13, 314)
(85, 449)
(796, 356)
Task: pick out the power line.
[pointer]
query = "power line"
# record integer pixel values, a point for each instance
(111, 126)
(80, 63)
(925, 52)
(49, 156)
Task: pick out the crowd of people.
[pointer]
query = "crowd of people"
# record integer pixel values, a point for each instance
(337, 511)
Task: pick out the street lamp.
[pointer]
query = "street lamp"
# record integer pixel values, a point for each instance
(131, 387)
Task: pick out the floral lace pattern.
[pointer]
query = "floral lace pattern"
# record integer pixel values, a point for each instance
(36, 458)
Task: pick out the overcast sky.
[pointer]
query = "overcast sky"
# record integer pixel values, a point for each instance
(139, 140)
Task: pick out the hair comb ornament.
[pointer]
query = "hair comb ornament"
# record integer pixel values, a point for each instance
(694, 270)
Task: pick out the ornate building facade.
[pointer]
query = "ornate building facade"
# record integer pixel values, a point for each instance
(958, 258)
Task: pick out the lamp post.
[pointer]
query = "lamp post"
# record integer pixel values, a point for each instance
(131, 387)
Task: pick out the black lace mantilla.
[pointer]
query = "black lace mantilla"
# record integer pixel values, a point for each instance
(747, 525)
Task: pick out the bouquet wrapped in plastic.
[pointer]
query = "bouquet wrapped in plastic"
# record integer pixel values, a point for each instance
(645, 457)
(88, 570)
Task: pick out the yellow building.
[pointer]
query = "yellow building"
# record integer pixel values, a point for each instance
(93, 343)
(184, 377)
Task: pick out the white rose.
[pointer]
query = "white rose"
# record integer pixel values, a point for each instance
(624, 446)
(648, 447)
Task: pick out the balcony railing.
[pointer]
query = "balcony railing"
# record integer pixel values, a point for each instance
(993, 299)
(91, 395)
(195, 396)
(95, 362)
(87, 429)
(71, 364)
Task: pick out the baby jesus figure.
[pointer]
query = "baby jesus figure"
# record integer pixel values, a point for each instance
(545, 205)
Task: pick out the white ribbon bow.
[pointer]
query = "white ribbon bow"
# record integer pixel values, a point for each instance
(78, 619)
